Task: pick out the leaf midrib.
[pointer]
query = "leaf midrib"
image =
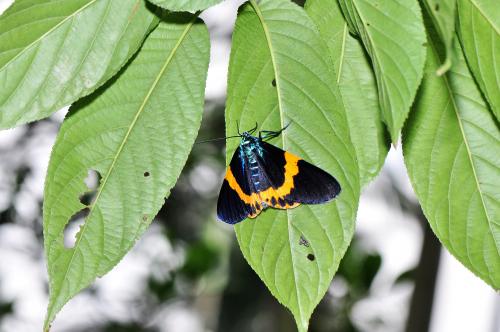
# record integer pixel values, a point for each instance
(342, 52)
(118, 153)
(29, 46)
(467, 148)
(280, 107)
(480, 10)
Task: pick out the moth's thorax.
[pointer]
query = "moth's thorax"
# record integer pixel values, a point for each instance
(251, 149)
(250, 146)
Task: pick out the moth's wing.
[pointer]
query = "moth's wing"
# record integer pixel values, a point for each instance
(292, 180)
(236, 199)
(312, 185)
(230, 208)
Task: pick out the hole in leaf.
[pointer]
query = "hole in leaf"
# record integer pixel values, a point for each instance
(88, 197)
(146, 174)
(273, 82)
(311, 257)
(92, 180)
(367, 24)
(73, 227)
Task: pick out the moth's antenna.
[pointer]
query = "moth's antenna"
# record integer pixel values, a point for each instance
(251, 131)
(269, 134)
(216, 139)
(234, 136)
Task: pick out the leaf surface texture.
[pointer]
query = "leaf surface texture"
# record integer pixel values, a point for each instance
(451, 147)
(185, 5)
(357, 85)
(394, 36)
(52, 52)
(136, 133)
(479, 22)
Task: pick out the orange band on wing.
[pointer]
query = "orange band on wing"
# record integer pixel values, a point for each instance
(291, 169)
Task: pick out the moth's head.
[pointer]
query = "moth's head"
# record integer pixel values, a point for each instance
(246, 135)
(248, 142)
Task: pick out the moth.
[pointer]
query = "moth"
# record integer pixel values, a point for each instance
(261, 175)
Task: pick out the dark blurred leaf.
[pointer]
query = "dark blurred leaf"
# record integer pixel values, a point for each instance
(162, 289)
(359, 267)
(126, 327)
(201, 258)
(406, 276)
(5, 309)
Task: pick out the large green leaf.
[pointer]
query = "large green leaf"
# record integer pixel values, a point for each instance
(357, 86)
(451, 147)
(479, 22)
(442, 13)
(394, 36)
(185, 5)
(280, 72)
(136, 133)
(53, 52)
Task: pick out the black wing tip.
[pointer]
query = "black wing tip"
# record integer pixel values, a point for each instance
(313, 185)
(230, 208)
(229, 220)
(335, 188)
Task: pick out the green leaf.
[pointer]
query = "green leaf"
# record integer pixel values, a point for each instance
(451, 146)
(479, 22)
(136, 133)
(357, 86)
(442, 13)
(394, 36)
(280, 72)
(185, 5)
(54, 52)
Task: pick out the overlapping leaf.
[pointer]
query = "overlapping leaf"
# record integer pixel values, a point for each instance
(136, 134)
(451, 147)
(280, 72)
(185, 5)
(53, 52)
(357, 86)
(479, 22)
(394, 36)
(442, 13)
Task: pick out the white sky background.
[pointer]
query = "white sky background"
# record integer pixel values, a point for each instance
(462, 301)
